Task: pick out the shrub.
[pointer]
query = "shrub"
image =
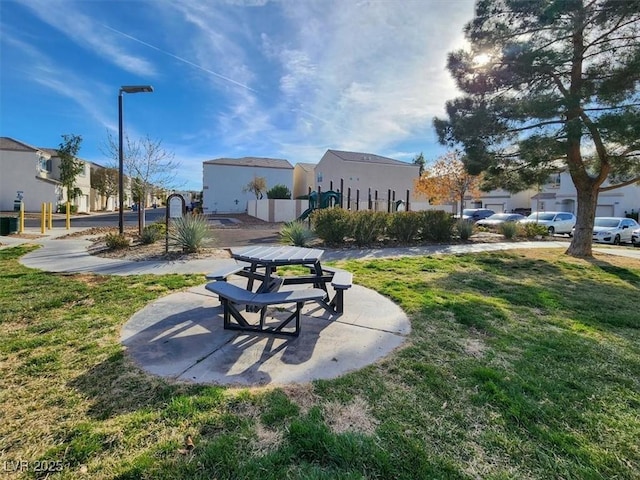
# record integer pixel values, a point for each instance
(464, 229)
(367, 226)
(532, 230)
(62, 208)
(331, 224)
(296, 233)
(115, 241)
(152, 233)
(279, 192)
(436, 225)
(508, 229)
(190, 232)
(404, 226)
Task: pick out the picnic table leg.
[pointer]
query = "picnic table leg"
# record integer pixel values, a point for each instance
(317, 270)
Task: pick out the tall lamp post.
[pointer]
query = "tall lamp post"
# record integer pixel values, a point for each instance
(124, 89)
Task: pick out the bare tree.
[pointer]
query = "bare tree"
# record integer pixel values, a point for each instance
(257, 186)
(149, 163)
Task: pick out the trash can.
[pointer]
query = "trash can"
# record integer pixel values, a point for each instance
(8, 225)
(4, 226)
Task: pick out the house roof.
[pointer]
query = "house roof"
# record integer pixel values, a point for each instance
(307, 167)
(251, 162)
(368, 158)
(7, 143)
(544, 196)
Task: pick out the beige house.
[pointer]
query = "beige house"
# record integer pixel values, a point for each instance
(365, 175)
(303, 178)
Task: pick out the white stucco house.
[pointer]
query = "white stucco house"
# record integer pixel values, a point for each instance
(355, 172)
(559, 194)
(33, 173)
(224, 181)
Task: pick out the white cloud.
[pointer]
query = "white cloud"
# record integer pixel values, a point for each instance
(89, 34)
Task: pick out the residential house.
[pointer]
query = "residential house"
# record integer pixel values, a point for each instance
(500, 200)
(224, 181)
(358, 175)
(82, 182)
(303, 178)
(29, 173)
(559, 194)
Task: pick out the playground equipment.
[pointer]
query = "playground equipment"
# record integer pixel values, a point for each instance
(327, 199)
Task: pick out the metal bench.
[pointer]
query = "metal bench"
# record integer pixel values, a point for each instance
(231, 296)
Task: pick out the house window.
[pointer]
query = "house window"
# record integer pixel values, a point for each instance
(554, 181)
(83, 173)
(319, 179)
(44, 164)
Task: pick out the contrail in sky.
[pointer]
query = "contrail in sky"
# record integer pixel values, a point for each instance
(180, 58)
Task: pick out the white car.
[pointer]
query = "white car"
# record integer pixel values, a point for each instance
(556, 222)
(614, 230)
(635, 237)
(499, 218)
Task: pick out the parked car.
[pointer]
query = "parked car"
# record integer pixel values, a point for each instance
(635, 237)
(614, 230)
(556, 222)
(475, 214)
(498, 218)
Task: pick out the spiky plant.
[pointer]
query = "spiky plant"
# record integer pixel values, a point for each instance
(464, 229)
(508, 229)
(296, 233)
(190, 232)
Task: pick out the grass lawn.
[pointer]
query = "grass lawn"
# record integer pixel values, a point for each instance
(522, 364)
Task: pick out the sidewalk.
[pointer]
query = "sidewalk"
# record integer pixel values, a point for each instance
(71, 256)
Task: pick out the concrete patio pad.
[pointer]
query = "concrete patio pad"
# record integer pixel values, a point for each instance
(181, 337)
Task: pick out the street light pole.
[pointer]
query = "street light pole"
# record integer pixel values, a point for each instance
(124, 89)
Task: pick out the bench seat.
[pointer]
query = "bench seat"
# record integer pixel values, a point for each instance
(225, 268)
(231, 295)
(341, 280)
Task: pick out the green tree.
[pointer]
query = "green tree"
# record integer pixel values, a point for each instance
(105, 182)
(279, 191)
(70, 166)
(549, 84)
(420, 161)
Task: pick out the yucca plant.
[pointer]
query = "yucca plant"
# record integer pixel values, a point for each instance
(296, 233)
(190, 232)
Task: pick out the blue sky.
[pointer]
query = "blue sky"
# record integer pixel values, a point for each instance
(280, 79)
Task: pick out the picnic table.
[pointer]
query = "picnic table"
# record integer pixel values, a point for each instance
(259, 265)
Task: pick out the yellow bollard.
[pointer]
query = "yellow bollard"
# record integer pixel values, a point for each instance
(21, 227)
(68, 215)
(50, 216)
(43, 217)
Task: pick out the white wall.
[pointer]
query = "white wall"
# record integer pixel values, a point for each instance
(224, 184)
(271, 210)
(19, 171)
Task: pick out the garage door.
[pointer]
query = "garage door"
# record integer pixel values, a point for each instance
(604, 211)
(496, 208)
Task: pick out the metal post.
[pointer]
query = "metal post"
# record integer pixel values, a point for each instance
(120, 169)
